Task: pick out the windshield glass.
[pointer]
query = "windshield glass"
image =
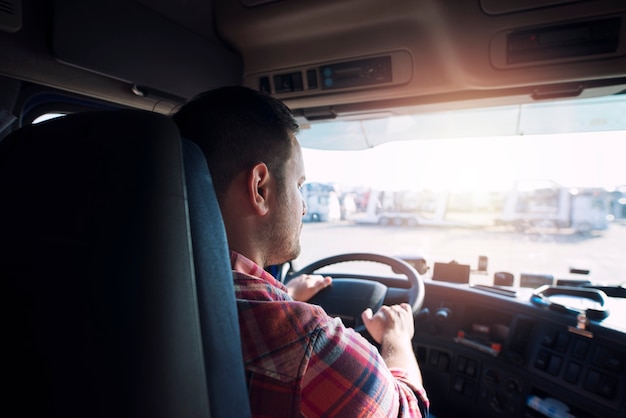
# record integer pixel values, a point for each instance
(541, 201)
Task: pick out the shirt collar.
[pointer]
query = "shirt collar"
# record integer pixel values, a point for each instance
(242, 264)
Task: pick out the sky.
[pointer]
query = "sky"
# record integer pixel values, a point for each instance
(595, 159)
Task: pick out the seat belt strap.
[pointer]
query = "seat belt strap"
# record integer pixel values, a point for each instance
(6, 120)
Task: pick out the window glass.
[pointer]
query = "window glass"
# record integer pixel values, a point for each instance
(552, 202)
(47, 116)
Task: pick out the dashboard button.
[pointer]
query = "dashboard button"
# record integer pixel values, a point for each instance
(471, 368)
(572, 373)
(593, 381)
(541, 361)
(549, 339)
(608, 387)
(600, 356)
(554, 365)
(461, 364)
(459, 384)
(562, 342)
(615, 362)
(512, 386)
(580, 349)
(444, 362)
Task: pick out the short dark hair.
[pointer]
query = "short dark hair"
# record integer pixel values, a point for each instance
(237, 127)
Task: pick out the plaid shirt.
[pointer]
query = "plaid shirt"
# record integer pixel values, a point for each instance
(301, 362)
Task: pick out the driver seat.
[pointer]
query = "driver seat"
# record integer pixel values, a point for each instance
(118, 294)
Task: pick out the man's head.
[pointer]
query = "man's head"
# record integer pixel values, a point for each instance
(236, 127)
(248, 139)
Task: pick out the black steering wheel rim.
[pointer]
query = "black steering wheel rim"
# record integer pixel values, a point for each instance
(415, 292)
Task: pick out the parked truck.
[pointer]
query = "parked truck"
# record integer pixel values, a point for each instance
(322, 203)
(545, 204)
(404, 208)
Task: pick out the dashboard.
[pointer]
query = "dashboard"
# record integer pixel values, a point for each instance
(480, 350)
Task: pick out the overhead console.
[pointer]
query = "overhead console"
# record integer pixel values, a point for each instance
(426, 52)
(390, 69)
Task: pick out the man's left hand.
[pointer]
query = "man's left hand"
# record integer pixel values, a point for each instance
(304, 287)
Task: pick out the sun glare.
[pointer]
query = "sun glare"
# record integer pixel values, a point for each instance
(475, 164)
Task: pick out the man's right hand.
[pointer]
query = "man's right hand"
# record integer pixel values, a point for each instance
(393, 328)
(390, 322)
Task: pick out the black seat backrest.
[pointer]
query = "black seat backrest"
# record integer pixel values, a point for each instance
(108, 306)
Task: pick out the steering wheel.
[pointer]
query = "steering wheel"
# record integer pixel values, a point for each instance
(350, 294)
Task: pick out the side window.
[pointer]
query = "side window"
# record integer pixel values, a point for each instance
(39, 105)
(47, 116)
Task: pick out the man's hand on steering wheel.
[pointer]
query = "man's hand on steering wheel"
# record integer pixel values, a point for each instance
(390, 322)
(305, 286)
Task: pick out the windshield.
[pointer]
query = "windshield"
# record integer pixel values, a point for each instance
(529, 204)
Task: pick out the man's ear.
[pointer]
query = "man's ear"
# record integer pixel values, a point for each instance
(258, 188)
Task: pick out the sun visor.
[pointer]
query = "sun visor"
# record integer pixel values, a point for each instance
(130, 39)
(607, 113)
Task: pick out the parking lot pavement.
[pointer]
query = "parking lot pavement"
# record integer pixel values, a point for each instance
(544, 252)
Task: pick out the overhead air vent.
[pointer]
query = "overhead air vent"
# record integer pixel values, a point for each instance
(10, 15)
(564, 41)
(498, 7)
(254, 3)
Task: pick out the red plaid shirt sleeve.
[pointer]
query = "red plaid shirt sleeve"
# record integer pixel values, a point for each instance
(301, 362)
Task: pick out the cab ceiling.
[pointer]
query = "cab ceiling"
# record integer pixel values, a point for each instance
(440, 51)
(448, 50)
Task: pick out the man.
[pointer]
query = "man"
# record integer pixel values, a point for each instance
(299, 361)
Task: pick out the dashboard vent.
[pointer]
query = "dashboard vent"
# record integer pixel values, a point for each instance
(564, 41)
(10, 15)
